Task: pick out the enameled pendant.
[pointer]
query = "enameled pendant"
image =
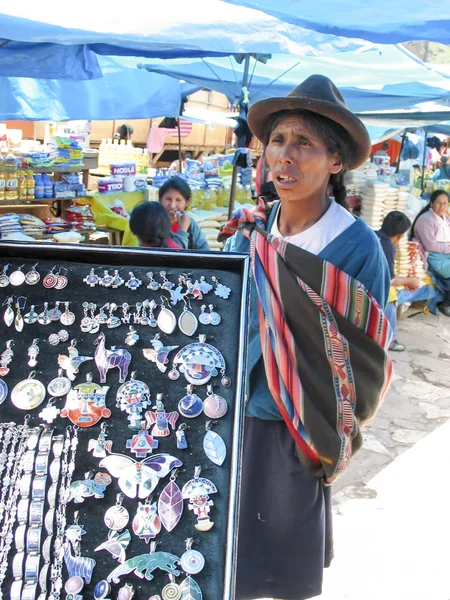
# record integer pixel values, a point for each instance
(197, 491)
(190, 406)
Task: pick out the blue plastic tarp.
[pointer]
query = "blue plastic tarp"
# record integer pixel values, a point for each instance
(383, 21)
(124, 92)
(196, 28)
(363, 77)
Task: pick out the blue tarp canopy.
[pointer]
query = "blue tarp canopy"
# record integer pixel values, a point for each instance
(384, 21)
(364, 77)
(196, 28)
(124, 92)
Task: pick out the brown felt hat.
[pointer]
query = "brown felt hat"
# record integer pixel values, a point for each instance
(317, 94)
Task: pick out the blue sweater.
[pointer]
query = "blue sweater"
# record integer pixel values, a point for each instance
(357, 252)
(192, 239)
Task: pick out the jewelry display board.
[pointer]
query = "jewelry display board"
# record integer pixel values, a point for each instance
(121, 408)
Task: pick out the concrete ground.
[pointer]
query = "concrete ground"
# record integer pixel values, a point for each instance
(392, 508)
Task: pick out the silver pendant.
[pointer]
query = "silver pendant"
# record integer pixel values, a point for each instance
(106, 280)
(214, 446)
(32, 277)
(190, 590)
(67, 318)
(100, 446)
(50, 412)
(55, 314)
(116, 544)
(43, 317)
(167, 320)
(32, 316)
(4, 279)
(17, 277)
(133, 283)
(214, 406)
(171, 591)
(199, 362)
(153, 284)
(59, 386)
(187, 322)
(8, 317)
(117, 280)
(6, 358)
(197, 491)
(112, 320)
(117, 517)
(86, 322)
(159, 353)
(192, 561)
(222, 291)
(33, 352)
(28, 393)
(92, 279)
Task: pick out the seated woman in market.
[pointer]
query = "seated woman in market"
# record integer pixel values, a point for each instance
(443, 172)
(175, 197)
(150, 223)
(431, 229)
(309, 341)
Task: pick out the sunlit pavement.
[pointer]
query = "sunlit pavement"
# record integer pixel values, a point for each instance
(392, 510)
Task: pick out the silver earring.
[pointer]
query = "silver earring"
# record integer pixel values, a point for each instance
(4, 279)
(222, 291)
(187, 321)
(33, 352)
(152, 284)
(133, 283)
(18, 321)
(32, 277)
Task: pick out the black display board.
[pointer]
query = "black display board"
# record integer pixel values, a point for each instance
(218, 545)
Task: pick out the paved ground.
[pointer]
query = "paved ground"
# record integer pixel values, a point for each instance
(392, 521)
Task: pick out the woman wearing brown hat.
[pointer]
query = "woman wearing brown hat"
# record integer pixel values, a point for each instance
(317, 362)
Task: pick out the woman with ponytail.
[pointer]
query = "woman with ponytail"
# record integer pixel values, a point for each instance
(317, 355)
(150, 223)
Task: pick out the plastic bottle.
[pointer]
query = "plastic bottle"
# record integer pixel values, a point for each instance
(101, 154)
(22, 175)
(145, 162)
(30, 186)
(39, 186)
(2, 178)
(12, 182)
(130, 151)
(48, 186)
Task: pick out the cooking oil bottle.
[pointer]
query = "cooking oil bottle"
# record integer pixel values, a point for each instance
(12, 182)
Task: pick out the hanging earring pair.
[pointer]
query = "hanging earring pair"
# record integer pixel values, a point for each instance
(20, 306)
(211, 318)
(57, 281)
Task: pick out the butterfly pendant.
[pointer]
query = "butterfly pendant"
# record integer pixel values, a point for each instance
(139, 478)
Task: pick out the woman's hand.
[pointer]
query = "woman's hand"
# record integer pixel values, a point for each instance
(183, 220)
(411, 284)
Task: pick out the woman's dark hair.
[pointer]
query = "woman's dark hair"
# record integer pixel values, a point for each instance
(395, 223)
(433, 199)
(123, 132)
(333, 135)
(150, 223)
(178, 184)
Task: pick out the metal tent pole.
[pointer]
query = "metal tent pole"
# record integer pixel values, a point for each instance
(235, 168)
(424, 160)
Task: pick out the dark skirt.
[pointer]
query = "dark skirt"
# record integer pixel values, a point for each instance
(285, 530)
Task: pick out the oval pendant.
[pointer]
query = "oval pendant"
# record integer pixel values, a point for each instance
(187, 322)
(8, 317)
(60, 386)
(67, 318)
(49, 281)
(171, 591)
(18, 322)
(32, 277)
(116, 518)
(17, 278)
(28, 394)
(167, 321)
(190, 406)
(101, 590)
(214, 406)
(3, 391)
(31, 317)
(192, 562)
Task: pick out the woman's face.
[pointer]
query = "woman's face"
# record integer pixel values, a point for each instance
(173, 201)
(299, 160)
(440, 205)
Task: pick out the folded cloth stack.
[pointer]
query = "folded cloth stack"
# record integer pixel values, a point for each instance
(65, 151)
(9, 223)
(37, 159)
